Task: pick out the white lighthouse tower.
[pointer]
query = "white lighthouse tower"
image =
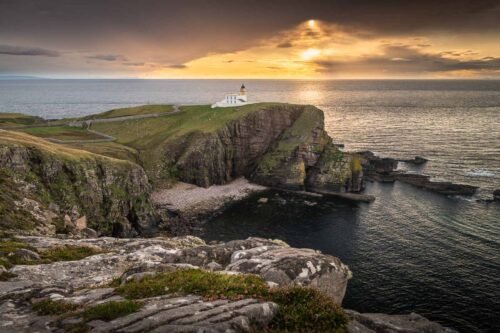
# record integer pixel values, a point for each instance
(233, 99)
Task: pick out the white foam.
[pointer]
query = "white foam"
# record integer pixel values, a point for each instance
(481, 173)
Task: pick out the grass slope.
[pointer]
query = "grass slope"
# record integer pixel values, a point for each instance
(111, 149)
(17, 138)
(61, 133)
(133, 111)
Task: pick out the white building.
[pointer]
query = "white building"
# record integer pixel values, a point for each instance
(233, 99)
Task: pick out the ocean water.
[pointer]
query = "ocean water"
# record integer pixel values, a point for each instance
(410, 250)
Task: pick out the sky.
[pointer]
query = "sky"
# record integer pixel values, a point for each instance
(250, 39)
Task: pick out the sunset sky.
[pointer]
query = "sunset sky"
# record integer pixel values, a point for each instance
(250, 39)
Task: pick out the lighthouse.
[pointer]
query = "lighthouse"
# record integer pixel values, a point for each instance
(233, 99)
(243, 93)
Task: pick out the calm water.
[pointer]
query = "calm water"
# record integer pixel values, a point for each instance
(410, 250)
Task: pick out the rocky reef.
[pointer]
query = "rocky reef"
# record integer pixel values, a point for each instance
(384, 169)
(156, 285)
(48, 188)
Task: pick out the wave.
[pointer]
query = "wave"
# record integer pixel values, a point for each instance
(481, 173)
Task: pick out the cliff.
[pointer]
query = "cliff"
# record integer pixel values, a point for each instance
(277, 145)
(48, 188)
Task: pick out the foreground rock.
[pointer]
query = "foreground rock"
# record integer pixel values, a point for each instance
(273, 260)
(86, 283)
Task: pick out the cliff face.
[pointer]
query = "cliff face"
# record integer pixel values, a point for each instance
(48, 188)
(278, 146)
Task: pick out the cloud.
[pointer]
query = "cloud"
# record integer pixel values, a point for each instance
(107, 57)
(405, 59)
(284, 45)
(134, 64)
(176, 66)
(27, 51)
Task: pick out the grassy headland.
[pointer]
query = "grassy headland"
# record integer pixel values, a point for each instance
(150, 132)
(18, 119)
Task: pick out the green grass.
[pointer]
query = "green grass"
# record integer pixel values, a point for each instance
(49, 307)
(68, 253)
(110, 310)
(195, 281)
(18, 119)
(61, 133)
(133, 111)
(110, 149)
(306, 310)
(106, 311)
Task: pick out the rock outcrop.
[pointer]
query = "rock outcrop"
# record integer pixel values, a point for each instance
(86, 283)
(46, 188)
(273, 260)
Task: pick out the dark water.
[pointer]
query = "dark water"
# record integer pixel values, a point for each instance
(410, 250)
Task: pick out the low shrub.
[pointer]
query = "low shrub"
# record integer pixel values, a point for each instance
(306, 310)
(68, 253)
(110, 310)
(50, 307)
(194, 281)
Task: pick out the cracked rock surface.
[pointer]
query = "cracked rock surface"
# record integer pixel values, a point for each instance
(86, 283)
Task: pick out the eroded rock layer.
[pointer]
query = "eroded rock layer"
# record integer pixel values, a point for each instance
(46, 187)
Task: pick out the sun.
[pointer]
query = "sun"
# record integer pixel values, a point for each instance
(310, 53)
(311, 23)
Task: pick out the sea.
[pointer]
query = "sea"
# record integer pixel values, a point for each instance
(410, 250)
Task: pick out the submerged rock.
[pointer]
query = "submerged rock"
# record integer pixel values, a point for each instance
(446, 188)
(417, 160)
(384, 323)
(496, 195)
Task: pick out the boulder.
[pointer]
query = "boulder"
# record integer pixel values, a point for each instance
(81, 223)
(26, 255)
(286, 266)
